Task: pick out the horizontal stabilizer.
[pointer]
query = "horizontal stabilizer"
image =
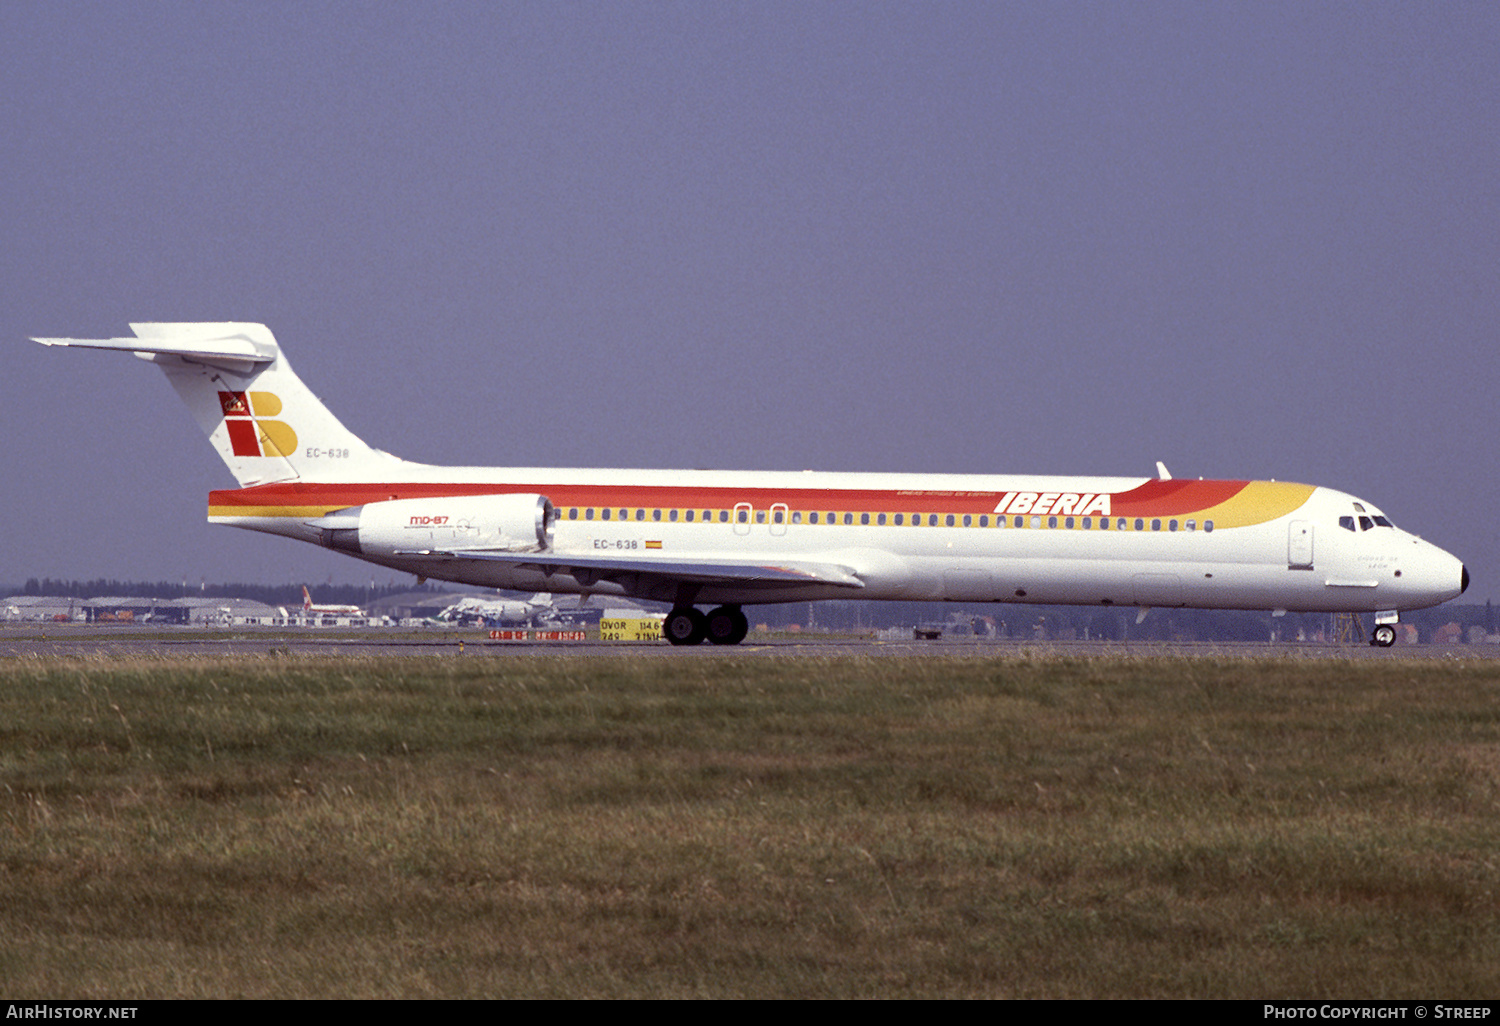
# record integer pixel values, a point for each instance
(236, 344)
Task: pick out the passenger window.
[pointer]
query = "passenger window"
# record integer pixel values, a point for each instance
(968, 520)
(1051, 521)
(1192, 525)
(656, 515)
(900, 520)
(588, 514)
(1068, 523)
(1104, 523)
(1208, 525)
(605, 513)
(1140, 525)
(744, 516)
(1020, 521)
(880, 520)
(1155, 524)
(848, 518)
(864, 519)
(812, 518)
(688, 516)
(797, 517)
(932, 520)
(672, 515)
(948, 520)
(573, 513)
(984, 520)
(778, 518)
(1171, 525)
(760, 516)
(640, 514)
(723, 516)
(1120, 524)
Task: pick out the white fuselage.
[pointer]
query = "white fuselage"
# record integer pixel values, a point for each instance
(1225, 545)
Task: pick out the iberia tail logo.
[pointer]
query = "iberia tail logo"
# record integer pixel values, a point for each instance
(249, 433)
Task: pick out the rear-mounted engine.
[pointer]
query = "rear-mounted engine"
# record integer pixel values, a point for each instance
(495, 523)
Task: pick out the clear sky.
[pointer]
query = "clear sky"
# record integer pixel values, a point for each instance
(1248, 239)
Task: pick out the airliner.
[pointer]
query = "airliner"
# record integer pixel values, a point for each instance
(725, 540)
(309, 607)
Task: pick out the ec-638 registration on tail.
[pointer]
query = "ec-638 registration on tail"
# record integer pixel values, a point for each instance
(724, 540)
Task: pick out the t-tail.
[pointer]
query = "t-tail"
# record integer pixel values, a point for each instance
(264, 422)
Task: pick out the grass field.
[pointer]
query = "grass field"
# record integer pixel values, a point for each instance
(724, 826)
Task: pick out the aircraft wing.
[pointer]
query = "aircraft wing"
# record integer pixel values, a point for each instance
(707, 571)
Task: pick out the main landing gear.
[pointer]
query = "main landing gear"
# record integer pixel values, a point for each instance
(725, 625)
(1384, 636)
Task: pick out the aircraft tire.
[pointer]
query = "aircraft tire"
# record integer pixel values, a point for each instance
(727, 625)
(1384, 636)
(684, 626)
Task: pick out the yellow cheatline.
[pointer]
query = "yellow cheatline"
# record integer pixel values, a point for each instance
(265, 404)
(299, 512)
(1257, 503)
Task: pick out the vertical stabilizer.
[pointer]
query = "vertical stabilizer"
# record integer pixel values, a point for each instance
(264, 422)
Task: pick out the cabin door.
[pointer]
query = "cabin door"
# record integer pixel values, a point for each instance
(1299, 545)
(779, 517)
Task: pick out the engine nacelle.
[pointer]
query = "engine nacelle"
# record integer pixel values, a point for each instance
(499, 523)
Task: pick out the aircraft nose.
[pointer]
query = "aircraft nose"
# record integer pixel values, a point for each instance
(1433, 576)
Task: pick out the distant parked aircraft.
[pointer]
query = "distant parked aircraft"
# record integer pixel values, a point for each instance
(309, 608)
(499, 611)
(728, 539)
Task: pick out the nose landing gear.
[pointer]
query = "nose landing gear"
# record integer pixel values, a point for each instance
(1384, 636)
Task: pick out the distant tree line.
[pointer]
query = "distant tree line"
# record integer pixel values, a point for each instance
(270, 594)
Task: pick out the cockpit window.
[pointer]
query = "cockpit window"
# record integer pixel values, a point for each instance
(1347, 523)
(1383, 522)
(1365, 523)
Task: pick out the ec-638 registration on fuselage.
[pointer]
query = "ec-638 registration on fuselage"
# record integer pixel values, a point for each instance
(729, 539)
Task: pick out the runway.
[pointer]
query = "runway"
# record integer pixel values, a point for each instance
(19, 641)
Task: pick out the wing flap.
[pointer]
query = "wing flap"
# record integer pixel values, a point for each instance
(705, 571)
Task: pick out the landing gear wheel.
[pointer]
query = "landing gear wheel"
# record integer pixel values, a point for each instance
(726, 625)
(684, 626)
(1384, 636)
